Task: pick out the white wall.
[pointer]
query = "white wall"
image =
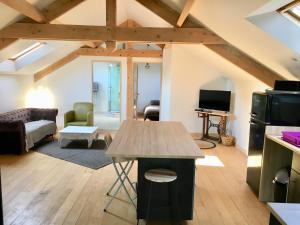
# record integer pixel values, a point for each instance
(13, 91)
(200, 68)
(73, 83)
(149, 84)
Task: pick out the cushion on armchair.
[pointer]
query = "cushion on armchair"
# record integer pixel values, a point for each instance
(81, 110)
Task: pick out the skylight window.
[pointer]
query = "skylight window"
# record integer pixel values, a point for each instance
(27, 51)
(291, 11)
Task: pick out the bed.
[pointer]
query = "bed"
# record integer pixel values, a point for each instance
(151, 111)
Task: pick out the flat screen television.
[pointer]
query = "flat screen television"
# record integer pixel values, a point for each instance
(214, 100)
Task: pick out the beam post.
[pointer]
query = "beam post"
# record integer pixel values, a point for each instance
(130, 87)
(111, 21)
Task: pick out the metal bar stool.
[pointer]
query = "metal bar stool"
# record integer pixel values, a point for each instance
(161, 176)
(122, 175)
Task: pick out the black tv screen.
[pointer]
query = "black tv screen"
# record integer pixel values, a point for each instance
(216, 100)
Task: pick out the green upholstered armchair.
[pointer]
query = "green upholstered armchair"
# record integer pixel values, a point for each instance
(81, 115)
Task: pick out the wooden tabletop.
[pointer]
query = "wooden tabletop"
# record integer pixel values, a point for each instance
(215, 113)
(139, 139)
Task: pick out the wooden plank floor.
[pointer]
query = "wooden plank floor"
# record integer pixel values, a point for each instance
(41, 190)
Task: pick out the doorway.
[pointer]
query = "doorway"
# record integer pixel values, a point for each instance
(147, 87)
(106, 94)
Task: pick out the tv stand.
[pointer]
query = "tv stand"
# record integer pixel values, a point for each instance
(207, 124)
(203, 110)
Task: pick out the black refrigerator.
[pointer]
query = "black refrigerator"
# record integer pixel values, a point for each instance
(271, 108)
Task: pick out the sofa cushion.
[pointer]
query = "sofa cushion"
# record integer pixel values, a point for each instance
(37, 130)
(78, 123)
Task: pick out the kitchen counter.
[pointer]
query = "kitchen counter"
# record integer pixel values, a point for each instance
(285, 213)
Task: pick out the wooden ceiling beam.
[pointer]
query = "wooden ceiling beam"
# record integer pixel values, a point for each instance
(167, 13)
(51, 12)
(120, 52)
(111, 21)
(58, 64)
(98, 33)
(246, 63)
(95, 52)
(59, 7)
(27, 9)
(226, 50)
(185, 12)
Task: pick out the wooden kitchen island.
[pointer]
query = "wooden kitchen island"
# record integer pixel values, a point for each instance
(160, 145)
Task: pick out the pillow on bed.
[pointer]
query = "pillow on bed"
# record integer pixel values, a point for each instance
(154, 102)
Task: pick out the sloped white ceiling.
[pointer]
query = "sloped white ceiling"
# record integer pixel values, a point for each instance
(226, 18)
(229, 20)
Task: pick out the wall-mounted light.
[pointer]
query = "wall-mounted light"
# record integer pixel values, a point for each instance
(147, 66)
(40, 97)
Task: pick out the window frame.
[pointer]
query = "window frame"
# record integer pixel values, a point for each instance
(287, 11)
(27, 50)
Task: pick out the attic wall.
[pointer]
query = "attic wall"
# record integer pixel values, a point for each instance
(184, 74)
(13, 91)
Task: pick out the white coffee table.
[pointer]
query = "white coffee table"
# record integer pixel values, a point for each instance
(78, 133)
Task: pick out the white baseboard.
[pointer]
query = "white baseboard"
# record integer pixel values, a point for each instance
(242, 149)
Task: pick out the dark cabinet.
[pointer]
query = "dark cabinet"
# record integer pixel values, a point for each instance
(294, 185)
(294, 188)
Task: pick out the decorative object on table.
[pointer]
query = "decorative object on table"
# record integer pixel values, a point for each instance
(151, 111)
(21, 129)
(81, 115)
(291, 137)
(77, 152)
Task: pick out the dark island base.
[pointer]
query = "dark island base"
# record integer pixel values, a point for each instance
(164, 203)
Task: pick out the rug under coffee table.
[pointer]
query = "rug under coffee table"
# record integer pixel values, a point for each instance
(79, 133)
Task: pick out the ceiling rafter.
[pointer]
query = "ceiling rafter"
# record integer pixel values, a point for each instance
(226, 50)
(167, 13)
(99, 51)
(95, 52)
(58, 64)
(51, 12)
(25, 8)
(100, 33)
(185, 12)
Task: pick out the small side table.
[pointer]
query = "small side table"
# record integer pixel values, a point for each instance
(221, 126)
(79, 133)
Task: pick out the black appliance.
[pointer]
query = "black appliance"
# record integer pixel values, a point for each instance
(287, 85)
(213, 99)
(275, 108)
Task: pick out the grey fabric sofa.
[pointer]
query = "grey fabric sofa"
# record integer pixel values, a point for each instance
(21, 129)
